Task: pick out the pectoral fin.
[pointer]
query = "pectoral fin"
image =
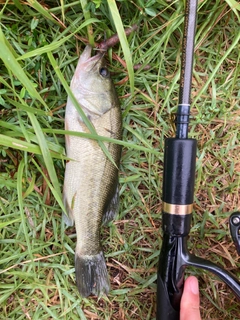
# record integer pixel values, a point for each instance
(68, 219)
(112, 208)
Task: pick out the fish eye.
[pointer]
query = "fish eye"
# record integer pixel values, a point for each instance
(104, 72)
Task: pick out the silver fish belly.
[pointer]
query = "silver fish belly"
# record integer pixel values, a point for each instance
(91, 179)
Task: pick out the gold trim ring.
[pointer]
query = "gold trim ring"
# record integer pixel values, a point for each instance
(179, 209)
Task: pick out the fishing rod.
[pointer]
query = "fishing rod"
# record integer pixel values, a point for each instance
(178, 194)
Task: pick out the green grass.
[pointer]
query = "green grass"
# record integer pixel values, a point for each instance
(40, 44)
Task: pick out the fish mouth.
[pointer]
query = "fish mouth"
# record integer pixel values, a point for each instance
(86, 63)
(86, 55)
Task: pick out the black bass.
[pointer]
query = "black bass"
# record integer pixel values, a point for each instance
(91, 180)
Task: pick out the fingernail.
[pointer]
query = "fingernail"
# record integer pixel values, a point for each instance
(194, 285)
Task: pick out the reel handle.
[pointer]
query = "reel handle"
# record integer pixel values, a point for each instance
(234, 223)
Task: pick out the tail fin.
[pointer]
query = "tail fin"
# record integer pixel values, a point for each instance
(91, 275)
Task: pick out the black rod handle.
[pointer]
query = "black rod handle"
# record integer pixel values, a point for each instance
(170, 279)
(165, 311)
(178, 193)
(179, 174)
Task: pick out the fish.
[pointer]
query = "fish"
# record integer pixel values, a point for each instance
(91, 187)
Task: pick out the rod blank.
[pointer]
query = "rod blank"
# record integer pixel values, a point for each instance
(186, 69)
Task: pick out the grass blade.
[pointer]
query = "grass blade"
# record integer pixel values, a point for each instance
(18, 144)
(57, 196)
(87, 17)
(212, 75)
(55, 44)
(45, 153)
(123, 40)
(4, 224)
(92, 136)
(12, 64)
(235, 6)
(39, 8)
(20, 202)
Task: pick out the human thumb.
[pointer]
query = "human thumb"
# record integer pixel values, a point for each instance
(189, 308)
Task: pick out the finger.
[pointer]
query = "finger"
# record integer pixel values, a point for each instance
(190, 302)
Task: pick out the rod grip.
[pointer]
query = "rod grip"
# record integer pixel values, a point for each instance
(165, 311)
(179, 171)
